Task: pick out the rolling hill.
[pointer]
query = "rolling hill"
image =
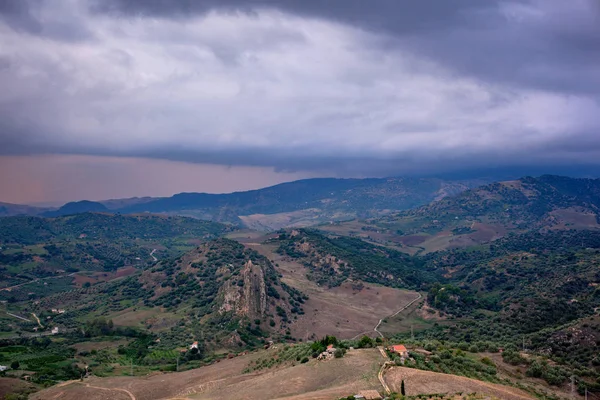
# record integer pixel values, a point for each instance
(484, 214)
(9, 209)
(510, 265)
(77, 207)
(55, 249)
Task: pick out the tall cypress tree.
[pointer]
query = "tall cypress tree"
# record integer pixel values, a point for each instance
(402, 392)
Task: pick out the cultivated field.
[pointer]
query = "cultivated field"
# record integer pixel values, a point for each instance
(418, 382)
(225, 380)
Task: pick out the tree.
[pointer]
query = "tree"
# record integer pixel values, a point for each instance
(365, 341)
(15, 365)
(402, 391)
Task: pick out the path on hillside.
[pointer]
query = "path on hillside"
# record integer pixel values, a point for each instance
(37, 319)
(381, 378)
(396, 313)
(18, 316)
(383, 368)
(131, 396)
(152, 255)
(376, 329)
(34, 281)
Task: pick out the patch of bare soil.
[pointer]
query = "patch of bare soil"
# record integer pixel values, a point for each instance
(487, 232)
(96, 277)
(413, 240)
(225, 380)
(574, 217)
(344, 311)
(425, 382)
(271, 222)
(13, 385)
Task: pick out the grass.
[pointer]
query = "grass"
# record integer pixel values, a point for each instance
(287, 354)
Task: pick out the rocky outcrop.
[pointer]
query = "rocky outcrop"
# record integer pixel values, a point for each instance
(248, 299)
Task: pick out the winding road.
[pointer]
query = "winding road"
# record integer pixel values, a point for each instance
(376, 329)
(152, 255)
(394, 314)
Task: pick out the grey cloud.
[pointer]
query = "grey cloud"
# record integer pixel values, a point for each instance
(31, 16)
(547, 44)
(390, 15)
(351, 87)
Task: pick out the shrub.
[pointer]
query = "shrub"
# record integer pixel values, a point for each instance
(365, 342)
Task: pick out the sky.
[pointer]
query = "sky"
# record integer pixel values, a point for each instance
(244, 93)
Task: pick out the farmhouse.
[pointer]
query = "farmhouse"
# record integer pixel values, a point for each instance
(3, 368)
(327, 354)
(54, 330)
(399, 349)
(194, 346)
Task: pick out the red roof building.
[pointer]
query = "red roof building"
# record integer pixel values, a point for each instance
(399, 348)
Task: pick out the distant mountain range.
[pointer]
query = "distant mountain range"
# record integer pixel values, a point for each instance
(411, 205)
(9, 209)
(299, 203)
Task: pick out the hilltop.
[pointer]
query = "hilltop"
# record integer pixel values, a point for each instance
(484, 214)
(236, 295)
(77, 207)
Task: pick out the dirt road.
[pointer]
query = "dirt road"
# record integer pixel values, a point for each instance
(37, 319)
(131, 396)
(18, 316)
(376, 329)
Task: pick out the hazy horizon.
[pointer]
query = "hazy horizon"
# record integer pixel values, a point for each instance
(59, 179)
(121, 98)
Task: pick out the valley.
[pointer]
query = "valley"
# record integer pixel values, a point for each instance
(498, 284)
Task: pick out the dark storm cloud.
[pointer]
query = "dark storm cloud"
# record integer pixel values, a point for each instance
(551, 44)
(26, 16)
(348, 86)
(390, 15)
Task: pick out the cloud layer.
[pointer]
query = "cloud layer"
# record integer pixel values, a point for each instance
(350, 87)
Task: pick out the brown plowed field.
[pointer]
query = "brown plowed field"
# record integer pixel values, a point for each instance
(426, 382)
(224, 380)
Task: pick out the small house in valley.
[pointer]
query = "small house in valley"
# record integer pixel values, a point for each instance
(399, 349)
